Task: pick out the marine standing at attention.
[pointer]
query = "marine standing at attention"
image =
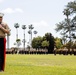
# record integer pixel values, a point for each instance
(4, 29)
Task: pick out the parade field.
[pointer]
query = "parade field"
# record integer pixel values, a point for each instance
(47, 64)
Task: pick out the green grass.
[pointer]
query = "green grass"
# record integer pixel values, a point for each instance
(40, 65)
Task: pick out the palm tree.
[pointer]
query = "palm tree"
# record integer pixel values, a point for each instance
(18, 44)
(63, 27)
(24, 27)
(30, 32)
(70, 25)
(67, 13)
(35, 32)
(72, 6)
(66, 26)
(16, 25)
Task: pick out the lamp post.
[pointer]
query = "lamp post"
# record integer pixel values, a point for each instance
(24, 27)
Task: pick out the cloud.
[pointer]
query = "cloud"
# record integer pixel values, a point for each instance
(40, 24)
(10, 10)
(19, 10)
(43, 27)
(1, 1)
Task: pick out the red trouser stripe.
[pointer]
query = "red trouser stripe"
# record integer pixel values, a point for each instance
(4, 53)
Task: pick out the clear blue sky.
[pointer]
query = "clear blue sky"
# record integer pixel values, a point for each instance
(43, 14)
